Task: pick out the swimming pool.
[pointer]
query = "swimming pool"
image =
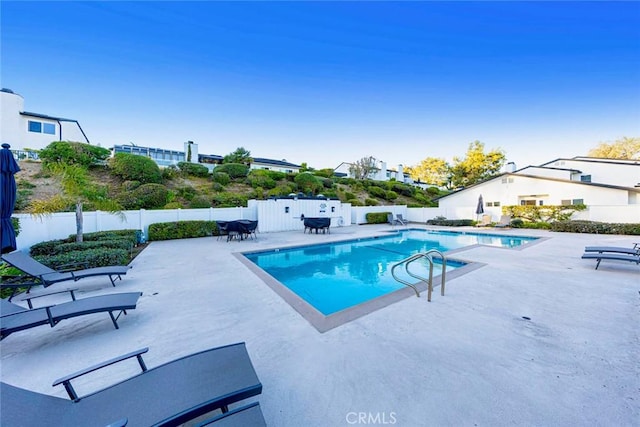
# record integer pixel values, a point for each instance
(334, 277)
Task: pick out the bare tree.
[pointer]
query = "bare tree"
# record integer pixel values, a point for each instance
(363, 168)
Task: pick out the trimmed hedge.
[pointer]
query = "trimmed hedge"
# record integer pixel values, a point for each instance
(377, 217)
(451, 222)
(193, 169)
(91, 257)
(50, 250)
(130, 234)
(132, 167)
(182, 230)
(122, 239)
(595, 227)
(234, 170)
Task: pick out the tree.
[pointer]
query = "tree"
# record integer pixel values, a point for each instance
(363, 168)
(624, 148)
(476, 166)
(241, 156)
(431, 170)
(78, 189)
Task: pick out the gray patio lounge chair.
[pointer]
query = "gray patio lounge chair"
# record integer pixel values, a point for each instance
(167, 395)
(16, 318)
(610, 256)
(49, 276)
(249, 415)
(401, 220)
(613, 249)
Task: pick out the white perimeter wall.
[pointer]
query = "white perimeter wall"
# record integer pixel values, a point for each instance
(270, 214)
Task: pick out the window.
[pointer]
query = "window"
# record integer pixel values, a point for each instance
(577, 202)
(585, 178)
(49, 128)
(489, 204)
(565, 202)
(496, 204)
(540, 202)
(527, 202)
(35, 126)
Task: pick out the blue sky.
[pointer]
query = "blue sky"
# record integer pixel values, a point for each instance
(327, 82)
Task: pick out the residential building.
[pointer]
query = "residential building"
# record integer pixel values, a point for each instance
(382, 173)
(28, 130)
(164, 157)
(579, 180)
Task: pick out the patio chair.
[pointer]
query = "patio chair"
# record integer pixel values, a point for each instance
(222, 229)
(167, 395)
(401, 220)
(614, 249)
(391, 220)
(505, 221)
(249, 415)
(17, 318)
(485, 222)
(248, 229)
(49, 276)
(610, 256)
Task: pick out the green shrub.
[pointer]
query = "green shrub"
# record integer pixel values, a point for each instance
(349, 196)
(82, 246)
(130, 185)
(193, 169)
(135, 168)
(433, 191)
(390, 195)
(199, 203)
(451, 222)
(229, 200)
(517, 223)
(261, 178)
(129, 234)
(545, 213)
(327, 183)
(97, 257)
(234, 170)
(182, 230)
(68, 152)
(325, 173)
(147, 196)
(371, 202)
(596, 227)
(376, 191)
(221, 178)
(15, 223)
(355, 202)
(308, 183)
(173, 205)
(186, 192)
(169, 173)
(377, 217)
(46, 248)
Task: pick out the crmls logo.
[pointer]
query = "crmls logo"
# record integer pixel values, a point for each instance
(371, 418)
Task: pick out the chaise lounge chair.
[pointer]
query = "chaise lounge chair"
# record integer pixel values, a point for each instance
(16, 318)
(614, 249)
(167, 395)
(505, 221)
(611, 256)
(48, 276)
(249, 415)
(401, 220)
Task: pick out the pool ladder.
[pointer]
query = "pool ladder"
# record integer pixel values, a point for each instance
(423, 255)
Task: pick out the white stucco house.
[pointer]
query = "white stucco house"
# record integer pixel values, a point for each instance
(609, 188)
(28, 130)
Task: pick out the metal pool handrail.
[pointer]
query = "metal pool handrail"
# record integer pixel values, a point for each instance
(427, 256)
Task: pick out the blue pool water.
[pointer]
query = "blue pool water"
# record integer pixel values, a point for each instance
(335, 276)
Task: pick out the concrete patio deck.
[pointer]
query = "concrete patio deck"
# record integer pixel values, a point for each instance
(468, 358)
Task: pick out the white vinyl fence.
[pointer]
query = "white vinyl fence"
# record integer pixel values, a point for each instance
(272, 215)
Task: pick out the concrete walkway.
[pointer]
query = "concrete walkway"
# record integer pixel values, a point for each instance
(468, 358)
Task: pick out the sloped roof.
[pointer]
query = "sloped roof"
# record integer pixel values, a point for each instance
(46, 116)
(274, 162)
(545, 178)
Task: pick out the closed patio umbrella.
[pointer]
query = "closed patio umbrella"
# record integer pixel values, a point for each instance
(8, 167)
(480, 207)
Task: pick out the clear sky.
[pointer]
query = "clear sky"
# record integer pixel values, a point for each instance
(327, 82)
